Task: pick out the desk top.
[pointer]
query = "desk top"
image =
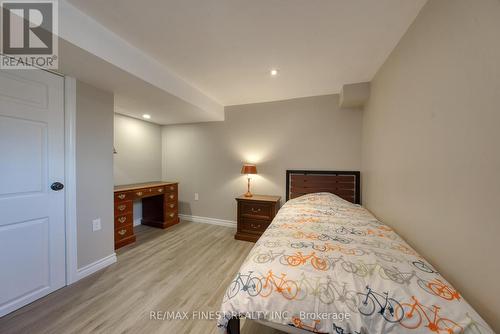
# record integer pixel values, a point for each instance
(135, 186)
(260, 198)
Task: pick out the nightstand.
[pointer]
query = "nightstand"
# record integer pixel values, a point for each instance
(254, 215)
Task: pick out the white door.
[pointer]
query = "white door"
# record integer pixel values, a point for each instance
(32, 231)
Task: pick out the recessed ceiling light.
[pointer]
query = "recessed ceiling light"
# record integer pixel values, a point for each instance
(274, 72)
(146, 116)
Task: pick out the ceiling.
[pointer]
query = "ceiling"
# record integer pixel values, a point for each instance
(132, 96)
(226, 48)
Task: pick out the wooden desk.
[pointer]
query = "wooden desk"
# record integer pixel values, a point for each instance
(159, 208)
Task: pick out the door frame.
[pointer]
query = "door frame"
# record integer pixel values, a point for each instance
(70, 179)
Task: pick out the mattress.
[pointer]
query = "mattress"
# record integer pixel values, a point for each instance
(325, 265)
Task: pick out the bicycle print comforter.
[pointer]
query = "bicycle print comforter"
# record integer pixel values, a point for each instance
(326, 265)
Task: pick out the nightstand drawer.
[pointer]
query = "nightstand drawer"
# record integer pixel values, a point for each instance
(257, 210)
(253, 226)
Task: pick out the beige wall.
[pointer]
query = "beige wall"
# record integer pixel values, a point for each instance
(138, 144)
(94, 172)
(305, 133)
(431, 139)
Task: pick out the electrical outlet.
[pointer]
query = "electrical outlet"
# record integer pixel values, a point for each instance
(96, 224)
(196, 196)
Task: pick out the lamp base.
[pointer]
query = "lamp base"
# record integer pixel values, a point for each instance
(248, 194)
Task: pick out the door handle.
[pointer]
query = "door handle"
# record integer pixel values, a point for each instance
(56, 186)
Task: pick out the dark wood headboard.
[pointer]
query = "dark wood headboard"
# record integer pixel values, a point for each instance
(345, 184)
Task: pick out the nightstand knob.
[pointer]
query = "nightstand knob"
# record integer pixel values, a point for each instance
(139, 193)
(255, 210)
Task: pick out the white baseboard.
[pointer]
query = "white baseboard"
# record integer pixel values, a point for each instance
(95, 266)
(207, 220)
(137, 221)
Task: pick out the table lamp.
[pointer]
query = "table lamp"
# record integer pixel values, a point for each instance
(248, 169)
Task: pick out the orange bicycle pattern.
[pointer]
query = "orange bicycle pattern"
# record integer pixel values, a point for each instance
(297, 322)
(441, 289)
(300, 259)
(271, 282)
(413, 315)
(307, 220)
(327, 247)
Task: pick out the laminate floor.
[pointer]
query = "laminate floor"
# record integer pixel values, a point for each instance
(184, 268)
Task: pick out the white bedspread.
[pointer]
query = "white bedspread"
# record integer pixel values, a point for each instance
(328, 266)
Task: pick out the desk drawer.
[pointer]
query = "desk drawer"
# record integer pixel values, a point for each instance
(123, 208)
(253, 226)
(138, 194)
(124, 232)
(148, 192)
(256, 210)
(172, 188)
(170, 215)
(158, 190)
(122, 220)
(171, 206)
(171, 197)
(123, 196)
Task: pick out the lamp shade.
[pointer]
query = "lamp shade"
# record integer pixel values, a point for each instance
(249, 169)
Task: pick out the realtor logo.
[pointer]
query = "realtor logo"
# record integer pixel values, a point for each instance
(29, 34)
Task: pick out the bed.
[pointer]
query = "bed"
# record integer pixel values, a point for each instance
(327, 265)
